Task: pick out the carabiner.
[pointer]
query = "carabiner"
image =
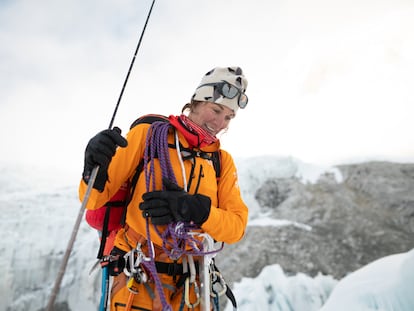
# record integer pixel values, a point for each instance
(187, 294)
(133, 260)
(222, 283)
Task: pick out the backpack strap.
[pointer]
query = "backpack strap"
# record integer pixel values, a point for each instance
(104, 234)
(149, 119)
(216, 159)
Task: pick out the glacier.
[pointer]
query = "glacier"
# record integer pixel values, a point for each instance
(39, 209)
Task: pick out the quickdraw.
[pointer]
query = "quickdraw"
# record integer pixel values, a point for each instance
(190, 281)
(217, 278)
(187, 293)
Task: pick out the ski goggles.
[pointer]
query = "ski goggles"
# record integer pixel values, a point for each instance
(229, 91)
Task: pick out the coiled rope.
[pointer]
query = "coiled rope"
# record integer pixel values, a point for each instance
(178, 238)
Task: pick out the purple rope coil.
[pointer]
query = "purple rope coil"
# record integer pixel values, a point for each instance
(154, 146)
(177, 240)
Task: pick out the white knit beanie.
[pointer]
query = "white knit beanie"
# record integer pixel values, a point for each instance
(231, 75)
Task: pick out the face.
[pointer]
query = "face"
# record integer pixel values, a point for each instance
(212, 117)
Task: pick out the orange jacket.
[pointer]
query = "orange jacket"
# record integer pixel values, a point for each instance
(228, 214)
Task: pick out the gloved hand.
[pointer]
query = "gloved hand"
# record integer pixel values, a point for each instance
(174, 204)
(99, 151)
(116, 263)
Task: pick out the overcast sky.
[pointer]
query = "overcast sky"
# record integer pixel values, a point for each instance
(330, 81)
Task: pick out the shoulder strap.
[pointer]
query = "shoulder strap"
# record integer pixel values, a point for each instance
(216, 158)
(149, 119)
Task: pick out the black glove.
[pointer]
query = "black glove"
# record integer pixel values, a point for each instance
(174, 204)
(99, 151)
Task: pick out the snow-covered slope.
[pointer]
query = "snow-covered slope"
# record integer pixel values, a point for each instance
(39, 209)
(385, 284)
(273, 290)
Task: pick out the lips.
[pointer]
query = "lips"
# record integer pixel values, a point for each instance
(210, 129)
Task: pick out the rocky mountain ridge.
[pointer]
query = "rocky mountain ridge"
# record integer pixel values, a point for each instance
(345, 225)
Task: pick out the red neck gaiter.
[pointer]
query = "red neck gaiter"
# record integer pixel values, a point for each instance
(195, 135)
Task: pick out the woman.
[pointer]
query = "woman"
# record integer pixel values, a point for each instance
(178, 191)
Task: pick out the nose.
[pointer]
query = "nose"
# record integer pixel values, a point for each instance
(222, 122)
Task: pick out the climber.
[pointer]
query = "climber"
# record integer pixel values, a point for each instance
(178, 195)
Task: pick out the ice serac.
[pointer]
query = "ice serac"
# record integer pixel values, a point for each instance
(385, 284)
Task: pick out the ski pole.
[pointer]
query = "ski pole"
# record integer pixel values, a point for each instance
(91, 181)
(132, 64)
(75, 230)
